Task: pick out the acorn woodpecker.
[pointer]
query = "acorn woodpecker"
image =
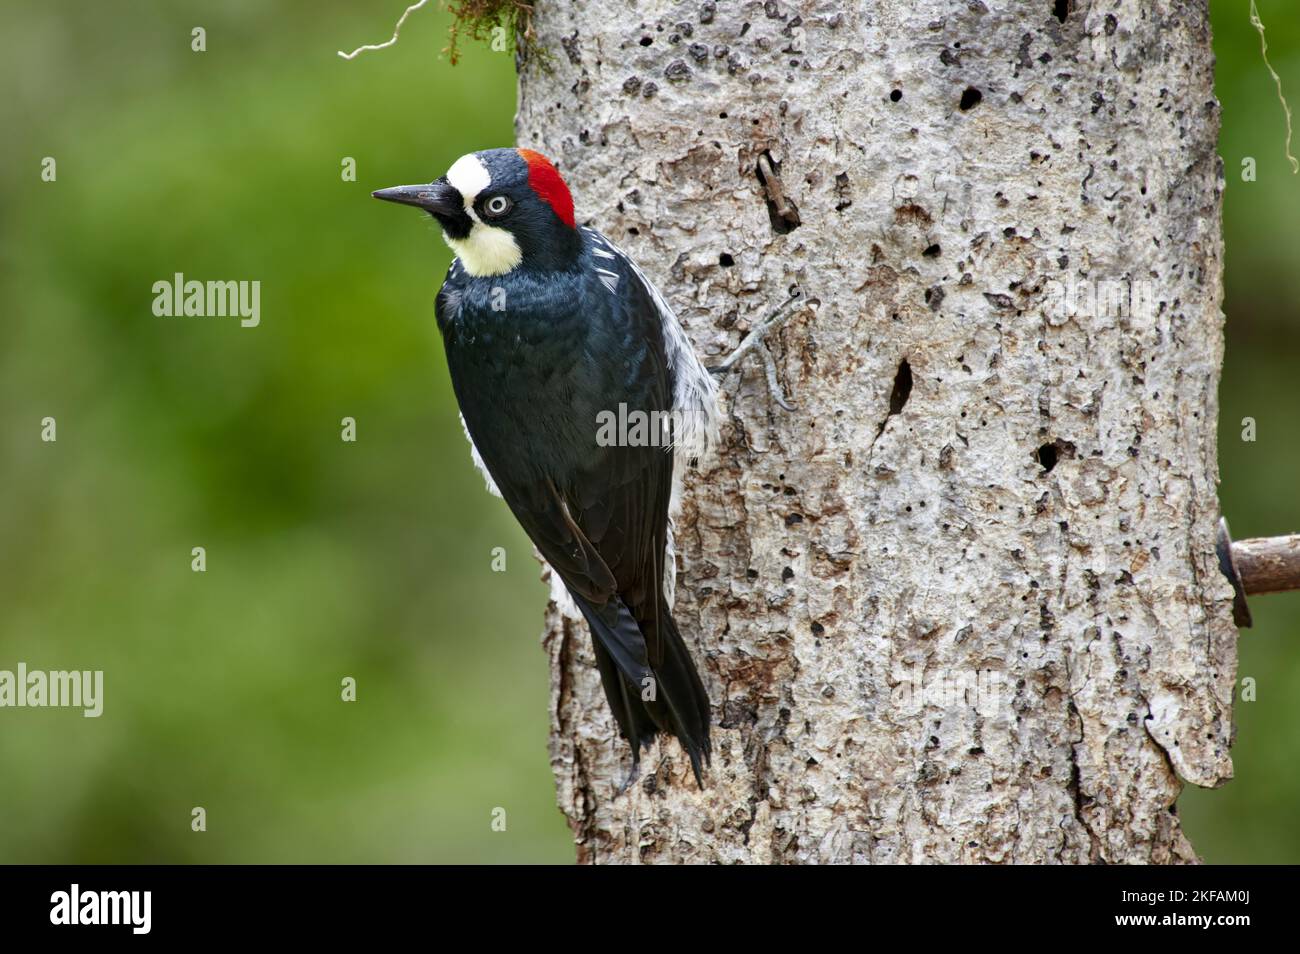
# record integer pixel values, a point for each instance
(551, 333)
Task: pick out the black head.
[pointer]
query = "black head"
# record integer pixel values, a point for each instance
(499, 208)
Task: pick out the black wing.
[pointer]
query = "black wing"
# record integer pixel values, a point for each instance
(598, 514)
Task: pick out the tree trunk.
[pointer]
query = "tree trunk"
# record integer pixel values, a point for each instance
(962, 604)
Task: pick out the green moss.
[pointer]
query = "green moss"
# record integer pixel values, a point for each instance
(493, 21)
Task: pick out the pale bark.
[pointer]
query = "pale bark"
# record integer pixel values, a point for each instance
(828, 555)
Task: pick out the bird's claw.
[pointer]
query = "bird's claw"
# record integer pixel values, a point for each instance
(758, 335)
(773, 385)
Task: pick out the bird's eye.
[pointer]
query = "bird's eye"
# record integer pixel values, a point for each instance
(497, 206)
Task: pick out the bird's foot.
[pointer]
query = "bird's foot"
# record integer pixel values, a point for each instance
(758, 335)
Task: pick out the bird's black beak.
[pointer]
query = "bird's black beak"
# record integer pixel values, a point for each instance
(439, 198)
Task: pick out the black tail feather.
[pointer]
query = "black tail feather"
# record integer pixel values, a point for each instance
(634, 723)
(682, 703)
(668, 698)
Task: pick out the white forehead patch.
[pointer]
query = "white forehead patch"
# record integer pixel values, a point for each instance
(488, 249)
(469, 177)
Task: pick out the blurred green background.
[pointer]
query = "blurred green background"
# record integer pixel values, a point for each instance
(373, 559)
(325, 559)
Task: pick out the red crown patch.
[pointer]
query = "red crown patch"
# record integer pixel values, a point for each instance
(546, 181)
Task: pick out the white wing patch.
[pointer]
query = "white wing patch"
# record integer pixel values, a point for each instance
(608, 279)
(474, 455)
